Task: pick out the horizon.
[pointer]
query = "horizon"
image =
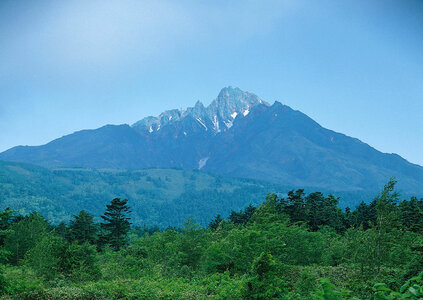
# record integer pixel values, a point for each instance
(72, 66)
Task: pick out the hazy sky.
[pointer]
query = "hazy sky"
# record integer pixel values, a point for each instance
(354, 66)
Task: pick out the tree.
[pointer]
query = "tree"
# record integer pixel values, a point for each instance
(243, 216)
(6, 220)
(364, 215)
(116, 224)
(5, 223)
(79, 262)
(25, 235)
(45, 256)
(387, 219)
(83, 229)
(214, 224)
(294, 206)
(411, 215)
(265, 282)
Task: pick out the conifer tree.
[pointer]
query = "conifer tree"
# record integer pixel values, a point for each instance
(83, 229)
(214, 224)
(116, 225)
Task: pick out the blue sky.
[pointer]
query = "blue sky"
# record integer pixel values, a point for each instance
(356, 66)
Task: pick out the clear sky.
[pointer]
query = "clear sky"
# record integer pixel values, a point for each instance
(355, 66)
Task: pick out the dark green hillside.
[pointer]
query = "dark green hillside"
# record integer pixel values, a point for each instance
(158, 197)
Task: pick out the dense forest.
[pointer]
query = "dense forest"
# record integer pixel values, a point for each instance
(159, 197)
(299, 246)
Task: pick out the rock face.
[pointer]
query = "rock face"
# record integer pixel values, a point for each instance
(239, 135)
(215, 118)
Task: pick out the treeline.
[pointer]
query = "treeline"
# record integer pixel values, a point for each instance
(297, 247)
(317, 210)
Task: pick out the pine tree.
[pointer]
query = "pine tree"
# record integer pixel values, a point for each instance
(83, 229)
(295, 206)
(214, 224)
(411, 214)
(116, 224)
(6, 218)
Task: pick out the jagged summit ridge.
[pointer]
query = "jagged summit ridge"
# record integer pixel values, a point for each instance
(216, 117)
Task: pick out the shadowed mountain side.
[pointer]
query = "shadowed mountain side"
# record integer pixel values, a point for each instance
(282, 145)
(111, 146)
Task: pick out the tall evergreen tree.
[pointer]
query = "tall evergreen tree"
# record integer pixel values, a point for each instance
(411, 214)
(294, 206)
(214, 224)
(116, 225)
(243, 216)
(82, 228)
(6, 219)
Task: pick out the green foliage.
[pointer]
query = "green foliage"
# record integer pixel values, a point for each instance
(264, 281)
(243, 216)
(411, 214)
(45, 256)
(24, 235)
(116, 223)
(4, 286)
(21, 281)
(412, 289)
(79, 263)
(167, 199)
(214, 224)
(83, 229)
(328, 291)
(281, 249)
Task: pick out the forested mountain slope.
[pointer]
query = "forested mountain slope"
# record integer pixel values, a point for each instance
(163, 197)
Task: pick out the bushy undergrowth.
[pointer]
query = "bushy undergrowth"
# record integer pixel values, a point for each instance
(259, 253)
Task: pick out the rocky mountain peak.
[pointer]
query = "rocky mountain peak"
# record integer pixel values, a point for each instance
(218, 116)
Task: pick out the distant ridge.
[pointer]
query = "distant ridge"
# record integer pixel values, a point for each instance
(237, 135)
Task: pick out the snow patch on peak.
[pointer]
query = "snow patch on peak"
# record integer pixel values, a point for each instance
(201, 122)
(229, 123)
(216, 124)
(202, 162)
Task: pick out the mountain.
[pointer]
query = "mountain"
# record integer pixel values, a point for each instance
(238, 135)
(283, 145)
(215, 118)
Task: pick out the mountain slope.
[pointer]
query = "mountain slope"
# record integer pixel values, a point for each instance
(283, 145)
(162, 197)
(239, 135)
(109, 146)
